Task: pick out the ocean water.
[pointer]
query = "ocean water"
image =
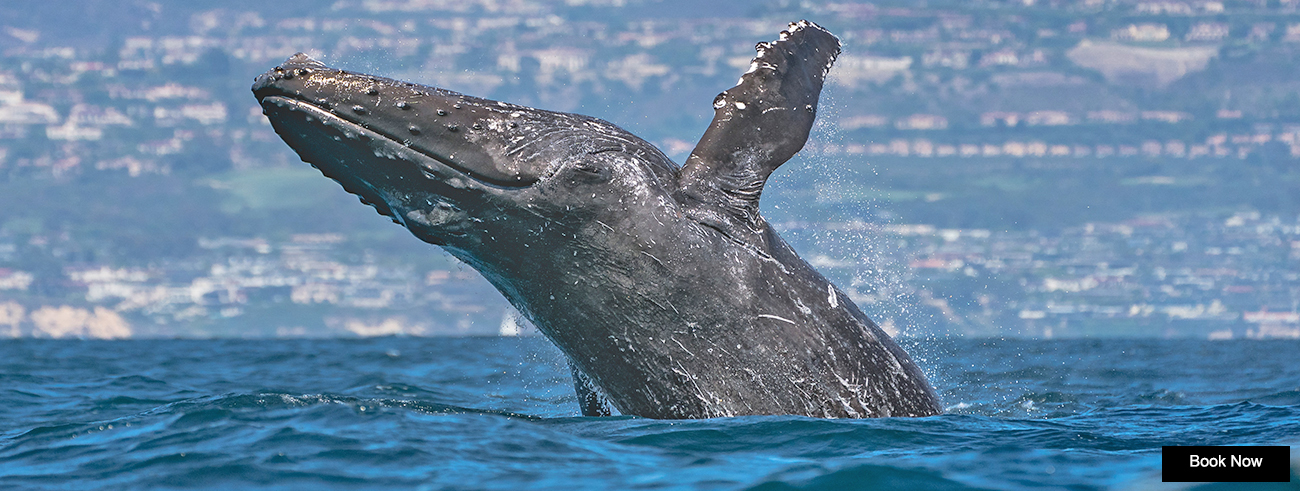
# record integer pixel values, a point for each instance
(499, 413)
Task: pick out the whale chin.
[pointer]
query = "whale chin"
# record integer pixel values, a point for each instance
(381, 171)
(330, 144)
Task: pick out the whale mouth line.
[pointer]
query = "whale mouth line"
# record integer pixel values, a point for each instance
(327, 117)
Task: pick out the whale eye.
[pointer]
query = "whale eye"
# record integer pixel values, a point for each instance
(589, 172)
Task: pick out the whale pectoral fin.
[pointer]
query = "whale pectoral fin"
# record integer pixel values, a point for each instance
(761, 122)
(590, 400)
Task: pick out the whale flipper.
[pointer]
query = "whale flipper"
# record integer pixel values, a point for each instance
(589, 397)
(758, 125)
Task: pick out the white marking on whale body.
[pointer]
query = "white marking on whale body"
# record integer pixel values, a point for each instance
(773, 317)
(833, 299)
(740, 105)
(802, 308)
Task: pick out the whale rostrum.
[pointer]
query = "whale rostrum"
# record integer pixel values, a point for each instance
(662, 284)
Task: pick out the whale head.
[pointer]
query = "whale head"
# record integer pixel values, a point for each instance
(450, 166)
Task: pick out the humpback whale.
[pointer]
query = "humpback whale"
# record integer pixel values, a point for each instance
(665, 288)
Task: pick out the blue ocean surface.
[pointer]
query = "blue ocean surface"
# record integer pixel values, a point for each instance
(500, 413)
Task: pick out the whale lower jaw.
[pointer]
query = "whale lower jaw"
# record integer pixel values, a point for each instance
(345, 133)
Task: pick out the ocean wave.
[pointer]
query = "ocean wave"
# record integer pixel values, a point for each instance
(500, 414)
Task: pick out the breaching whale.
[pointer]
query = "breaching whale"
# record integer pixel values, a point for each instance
(663, 285)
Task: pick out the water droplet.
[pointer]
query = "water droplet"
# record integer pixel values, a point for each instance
(476, 126)
(442, 112)
(358, 109)
(719, 101)
(453, 128)
(455, 106)
(415, 130)
(288, 75)
(372, 91)
(403, 106)
(514, 124)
